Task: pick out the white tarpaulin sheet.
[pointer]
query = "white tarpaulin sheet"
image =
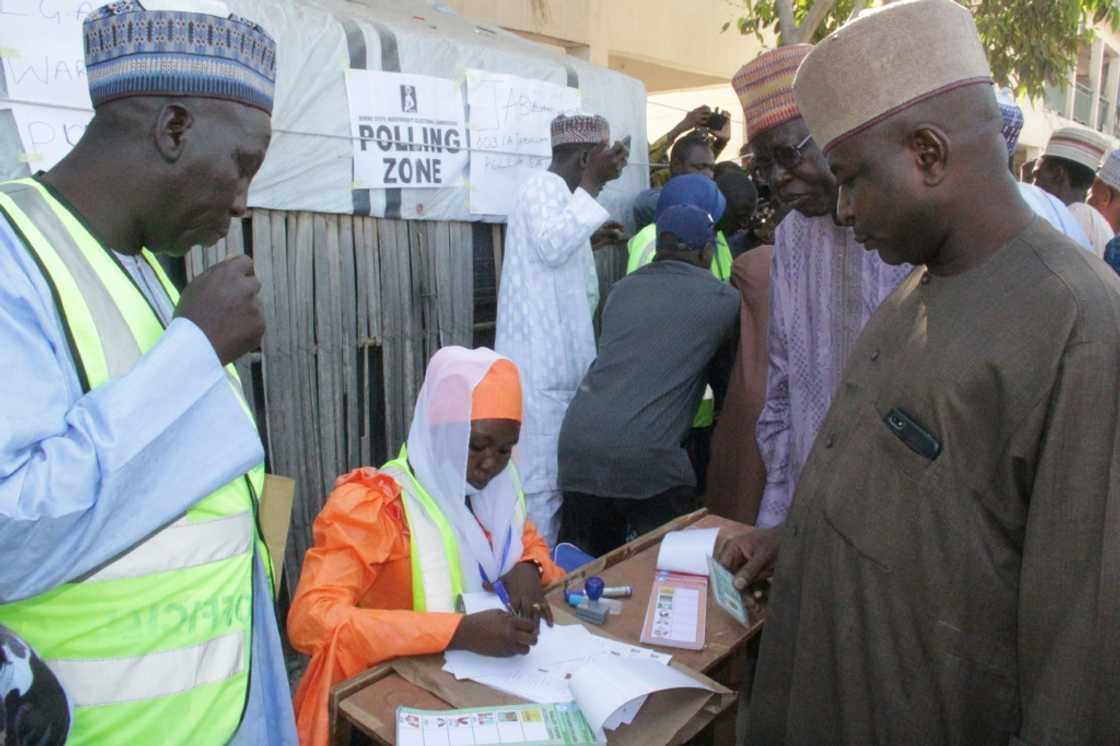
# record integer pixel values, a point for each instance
(310, 164)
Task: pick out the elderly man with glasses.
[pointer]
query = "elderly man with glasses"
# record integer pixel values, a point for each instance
(823, 284)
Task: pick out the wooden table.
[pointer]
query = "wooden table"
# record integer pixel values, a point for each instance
(367, 703)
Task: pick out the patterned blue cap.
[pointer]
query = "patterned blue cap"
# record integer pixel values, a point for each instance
(132, 51)
(1012, 117)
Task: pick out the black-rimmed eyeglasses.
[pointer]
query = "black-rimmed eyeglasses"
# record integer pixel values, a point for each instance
(786, 156)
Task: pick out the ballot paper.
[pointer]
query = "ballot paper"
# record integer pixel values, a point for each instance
(676, 614)
(602, 690)
(687, 551)
(725, 592)
(527, 725)
(544, 675)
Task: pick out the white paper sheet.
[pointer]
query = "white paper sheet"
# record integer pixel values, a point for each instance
(480, 601)
(510, 125)
(612, 684)
(558, 647)
(48, 132)
(544, 675)
(687, 551)
(41, 54)
(625, 715)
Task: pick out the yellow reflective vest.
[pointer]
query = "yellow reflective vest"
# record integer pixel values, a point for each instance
(154, 646)
(437, 577)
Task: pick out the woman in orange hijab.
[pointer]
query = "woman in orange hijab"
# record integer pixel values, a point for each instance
(395, 546)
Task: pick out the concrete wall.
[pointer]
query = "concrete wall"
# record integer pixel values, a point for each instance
(667, 45)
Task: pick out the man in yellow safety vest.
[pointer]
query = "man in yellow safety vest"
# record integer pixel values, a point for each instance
(130, 465)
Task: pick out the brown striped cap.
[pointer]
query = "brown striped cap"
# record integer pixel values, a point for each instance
(1110, 170)
(1077, 144)
(765, 88)
(579, 128)
(885, 61)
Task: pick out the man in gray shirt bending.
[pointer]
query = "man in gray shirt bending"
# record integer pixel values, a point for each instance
(623, 467)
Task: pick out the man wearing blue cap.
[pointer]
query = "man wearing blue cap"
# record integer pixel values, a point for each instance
(623, 469)
(130, 465)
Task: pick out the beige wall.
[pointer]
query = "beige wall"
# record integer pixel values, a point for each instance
(667, 44)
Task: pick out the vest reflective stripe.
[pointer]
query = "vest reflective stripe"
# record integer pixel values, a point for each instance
(184, 543)
(640, 248)
(437, 579)
(96, 683)
(161, 632)
(119, 346)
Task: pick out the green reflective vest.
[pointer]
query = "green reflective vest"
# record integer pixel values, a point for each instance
(642, 247)
(154, 646)
(641, 250)
(437, 577)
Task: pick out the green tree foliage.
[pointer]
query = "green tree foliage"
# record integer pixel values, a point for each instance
(1030, 43)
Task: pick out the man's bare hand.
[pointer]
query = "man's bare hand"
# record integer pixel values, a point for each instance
(610, 233)
(696, 118)
(224, 302)
(751, 555)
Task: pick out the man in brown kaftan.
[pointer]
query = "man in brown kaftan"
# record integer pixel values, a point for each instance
(950, 570)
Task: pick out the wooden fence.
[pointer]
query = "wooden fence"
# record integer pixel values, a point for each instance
(354, 308)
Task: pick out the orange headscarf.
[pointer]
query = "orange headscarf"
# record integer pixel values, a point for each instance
(498, 395)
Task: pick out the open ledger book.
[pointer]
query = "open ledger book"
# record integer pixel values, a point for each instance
(607, 679)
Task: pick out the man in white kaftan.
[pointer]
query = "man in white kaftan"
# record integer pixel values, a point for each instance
(547, 295)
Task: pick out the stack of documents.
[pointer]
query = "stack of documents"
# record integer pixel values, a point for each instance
(608, 680)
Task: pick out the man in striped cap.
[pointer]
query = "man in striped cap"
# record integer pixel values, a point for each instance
(948, 572)
(1042, 202)
(1066, 170)
(823, 285)
(1104, 195)
(130, 464)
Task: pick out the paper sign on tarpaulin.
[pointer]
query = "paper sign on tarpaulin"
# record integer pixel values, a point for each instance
(43, 66)
(510, 127)
(408, 130)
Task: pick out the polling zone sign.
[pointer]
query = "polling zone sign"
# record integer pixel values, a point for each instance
(408, 130)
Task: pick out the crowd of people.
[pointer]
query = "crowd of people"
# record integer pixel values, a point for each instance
(903, 377)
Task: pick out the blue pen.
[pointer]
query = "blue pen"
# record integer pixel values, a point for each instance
(498, 586)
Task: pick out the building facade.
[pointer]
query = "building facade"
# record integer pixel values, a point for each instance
(676, 49)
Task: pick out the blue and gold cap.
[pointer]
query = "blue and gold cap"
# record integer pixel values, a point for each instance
(133, 51)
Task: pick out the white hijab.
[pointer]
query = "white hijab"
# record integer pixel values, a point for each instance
(438, 444)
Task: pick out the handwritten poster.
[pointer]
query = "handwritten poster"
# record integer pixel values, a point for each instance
(41, 51)
(408, 130)
(48, 132)
(510, 120)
